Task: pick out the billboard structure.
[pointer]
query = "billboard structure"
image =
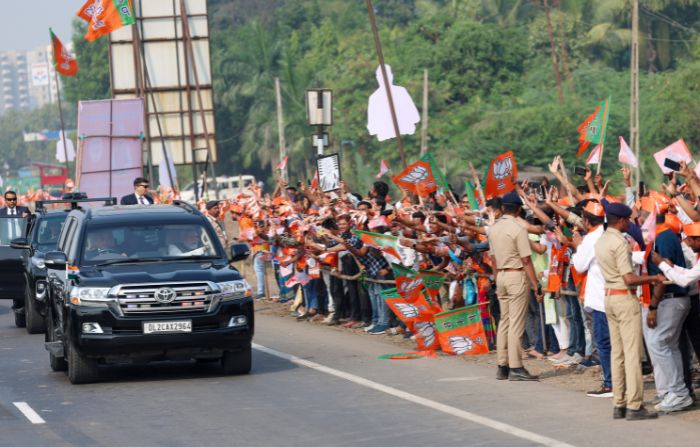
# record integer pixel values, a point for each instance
(165, 59)
(110, 133)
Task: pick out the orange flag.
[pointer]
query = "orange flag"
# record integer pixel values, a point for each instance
(502, 175)
(105, 16)
(63, 61)
(417, 178)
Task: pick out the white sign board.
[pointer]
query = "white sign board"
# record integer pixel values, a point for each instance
(328, 172)
(40, 74)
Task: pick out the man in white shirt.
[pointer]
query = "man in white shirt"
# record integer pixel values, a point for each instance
(584, 261)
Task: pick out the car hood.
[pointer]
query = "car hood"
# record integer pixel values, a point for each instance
(166, 272)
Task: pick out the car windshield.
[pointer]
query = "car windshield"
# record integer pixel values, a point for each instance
(11, 228)
(48, 230)
(138, 241)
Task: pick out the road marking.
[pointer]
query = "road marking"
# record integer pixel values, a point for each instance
(29, 413)
(447, 409)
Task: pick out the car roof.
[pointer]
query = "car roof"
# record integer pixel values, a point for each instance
(130, 213)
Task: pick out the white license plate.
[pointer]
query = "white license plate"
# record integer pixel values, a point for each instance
(164, 327)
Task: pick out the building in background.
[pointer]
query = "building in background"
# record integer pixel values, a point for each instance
(27, 79)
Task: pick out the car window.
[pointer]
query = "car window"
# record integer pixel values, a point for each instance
(11, 228)
(65, 233)
(137, 240)
(48, 232)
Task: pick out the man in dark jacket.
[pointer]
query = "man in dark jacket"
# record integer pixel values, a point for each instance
(140, 195)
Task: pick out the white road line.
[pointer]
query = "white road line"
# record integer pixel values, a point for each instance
(447, 409)
(29, 413)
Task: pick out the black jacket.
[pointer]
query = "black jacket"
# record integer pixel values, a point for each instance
(131, 200)
(20, 210)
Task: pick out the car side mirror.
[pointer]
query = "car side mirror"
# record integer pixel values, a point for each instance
(239, 252)
(55, 260)
(20, 243)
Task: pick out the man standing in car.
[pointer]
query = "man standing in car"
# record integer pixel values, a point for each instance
(140, 195)
(12, 209)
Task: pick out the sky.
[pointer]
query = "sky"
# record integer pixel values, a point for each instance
(27, 22)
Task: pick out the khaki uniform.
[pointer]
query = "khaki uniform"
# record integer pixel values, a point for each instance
(624, 316)
(509, 242)
(219, 232)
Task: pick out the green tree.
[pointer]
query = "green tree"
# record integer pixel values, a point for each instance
(92, 80)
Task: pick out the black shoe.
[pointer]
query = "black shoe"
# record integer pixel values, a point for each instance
(502, 373)
(619, 412)
(521, 374)
(641, 414)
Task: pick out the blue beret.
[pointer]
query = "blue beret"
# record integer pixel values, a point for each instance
(618, 209)
(512, 198)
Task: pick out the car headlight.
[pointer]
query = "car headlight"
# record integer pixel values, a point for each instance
(237, 289)
(38, 263)
(90, 296)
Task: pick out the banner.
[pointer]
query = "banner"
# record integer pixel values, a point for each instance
(461, 332)
(417, 178)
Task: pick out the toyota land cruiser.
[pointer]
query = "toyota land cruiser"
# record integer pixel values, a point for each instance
(145, 283)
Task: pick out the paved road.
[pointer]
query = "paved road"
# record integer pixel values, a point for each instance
(310, 386)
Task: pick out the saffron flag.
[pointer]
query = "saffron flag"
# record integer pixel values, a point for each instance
(314, 181)
(440, 179)
(417, 178)
(417, 316)
(592, 130)
(383, 168)
(461, 331)
(63, 61)
(501, 176)
(594, 156)
(626, 155)
(433, 281)
(105, 16)
(678, 151)
(386, 243)
(283, 163)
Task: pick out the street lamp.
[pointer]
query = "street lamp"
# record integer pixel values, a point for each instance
(319, 113)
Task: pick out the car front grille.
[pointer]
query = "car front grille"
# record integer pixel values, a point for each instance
(139, 299)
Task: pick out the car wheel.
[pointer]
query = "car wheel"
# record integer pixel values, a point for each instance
(34, 321)
(237, 362)
(57, 363)
(81, 369)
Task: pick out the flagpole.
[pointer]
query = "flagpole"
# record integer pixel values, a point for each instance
(602, 137)
(63, 137)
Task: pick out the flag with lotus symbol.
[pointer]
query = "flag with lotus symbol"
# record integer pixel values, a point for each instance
(501, 176)
(417, 178)
(461, 331)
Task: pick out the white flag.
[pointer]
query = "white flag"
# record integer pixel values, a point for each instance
(626, 155)
(69, 150)
(594, 156)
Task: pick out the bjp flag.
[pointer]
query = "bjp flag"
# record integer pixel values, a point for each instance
(461, 331)
(63, 61)
(501, 176)
(417, 178)
(105, 16)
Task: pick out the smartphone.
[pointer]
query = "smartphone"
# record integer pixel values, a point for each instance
(672, 164)
(540, 193)
(580, 170)
(642, 189)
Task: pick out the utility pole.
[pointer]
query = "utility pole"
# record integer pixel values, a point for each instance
(280, 127)
(634, 87)
(424, 125)
(553, 50)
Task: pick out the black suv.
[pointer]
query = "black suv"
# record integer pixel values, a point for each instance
(42, 237)
(145, 283)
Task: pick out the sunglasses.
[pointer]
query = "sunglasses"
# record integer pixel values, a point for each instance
(145, 186)
(11, 199)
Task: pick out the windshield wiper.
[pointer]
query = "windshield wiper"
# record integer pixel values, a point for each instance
(128, 261)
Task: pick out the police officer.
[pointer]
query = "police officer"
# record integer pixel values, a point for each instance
(510, 250)
(213, 211)
(624, 314)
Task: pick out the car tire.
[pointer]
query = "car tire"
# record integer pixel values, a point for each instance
(34, 321)
(237, 362)
(80, 368)
(57, 363)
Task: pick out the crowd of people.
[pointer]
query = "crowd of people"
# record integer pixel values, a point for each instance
(566, 272)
